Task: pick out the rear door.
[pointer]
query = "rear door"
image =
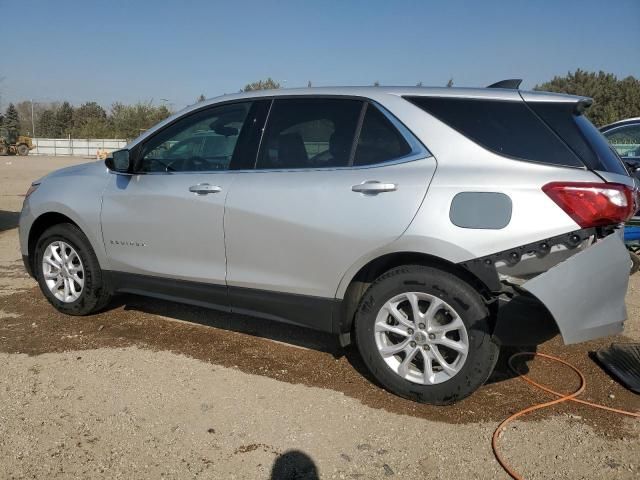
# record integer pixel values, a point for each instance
(335, 179)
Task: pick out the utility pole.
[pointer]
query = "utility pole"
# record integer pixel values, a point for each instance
(33, 122)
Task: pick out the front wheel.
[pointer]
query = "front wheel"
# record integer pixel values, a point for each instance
(68, 271)
(22, 150)
(425, 335)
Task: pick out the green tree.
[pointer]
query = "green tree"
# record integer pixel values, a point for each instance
(128, 121)
(90, 121)
(46, 126)
(613, 99)
(268, 84)
(11, 121)
(64, 120)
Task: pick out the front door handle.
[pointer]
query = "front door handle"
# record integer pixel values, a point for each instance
(204, 189)
(374, 187)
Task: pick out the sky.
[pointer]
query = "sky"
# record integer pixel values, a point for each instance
(171, 52)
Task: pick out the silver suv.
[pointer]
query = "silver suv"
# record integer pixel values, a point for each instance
(403, 218)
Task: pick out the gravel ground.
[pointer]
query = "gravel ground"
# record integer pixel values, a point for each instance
(152, 389)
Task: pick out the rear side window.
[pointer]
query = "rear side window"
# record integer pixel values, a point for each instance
(379, 140)
(580, 134)
(507, 128)
(309, 133)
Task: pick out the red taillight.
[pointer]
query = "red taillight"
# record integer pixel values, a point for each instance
(593, 204)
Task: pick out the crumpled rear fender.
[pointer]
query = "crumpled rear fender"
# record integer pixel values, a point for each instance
(585, 293)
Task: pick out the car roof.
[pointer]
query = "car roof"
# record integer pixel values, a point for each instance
(373, 91)
(620, 123)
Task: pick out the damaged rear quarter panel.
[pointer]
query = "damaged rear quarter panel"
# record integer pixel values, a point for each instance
(585, 293)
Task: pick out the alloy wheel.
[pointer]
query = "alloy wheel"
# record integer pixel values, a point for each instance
(63, 271)
(421, 338)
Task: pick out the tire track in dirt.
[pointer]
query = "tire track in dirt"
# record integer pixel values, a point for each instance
(30, 325)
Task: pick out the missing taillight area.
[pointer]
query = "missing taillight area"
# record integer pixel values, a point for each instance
(593, 204)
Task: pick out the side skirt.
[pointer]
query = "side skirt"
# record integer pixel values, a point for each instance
(302, 310)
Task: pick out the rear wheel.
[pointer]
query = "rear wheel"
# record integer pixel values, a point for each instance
(425, 335)
(23, 150)
(68, 271)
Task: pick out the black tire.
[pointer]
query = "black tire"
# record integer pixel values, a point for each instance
(95, 293)
(22, 150)
(468, 304)
(3, 150)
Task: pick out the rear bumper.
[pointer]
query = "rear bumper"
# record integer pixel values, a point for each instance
(585, 293)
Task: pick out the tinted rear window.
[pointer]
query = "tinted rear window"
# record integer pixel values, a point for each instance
(581, 136)
(507, 128)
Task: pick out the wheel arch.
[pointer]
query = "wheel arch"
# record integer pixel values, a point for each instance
(40, 225)
(365, 275)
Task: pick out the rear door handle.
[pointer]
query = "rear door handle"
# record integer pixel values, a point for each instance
(204, 189)
(374, 187)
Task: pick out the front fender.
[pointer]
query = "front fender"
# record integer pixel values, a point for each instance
(78, 197)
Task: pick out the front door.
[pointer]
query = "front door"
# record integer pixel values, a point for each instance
(167, 219)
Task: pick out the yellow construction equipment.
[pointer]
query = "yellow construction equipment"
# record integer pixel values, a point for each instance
(15, 144)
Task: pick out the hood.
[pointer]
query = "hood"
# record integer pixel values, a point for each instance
(84, 169)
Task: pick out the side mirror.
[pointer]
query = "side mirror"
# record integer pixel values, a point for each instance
(119, 161)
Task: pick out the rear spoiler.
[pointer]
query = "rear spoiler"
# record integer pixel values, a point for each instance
(511, 83)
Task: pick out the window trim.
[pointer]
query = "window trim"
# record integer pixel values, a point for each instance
(356, 134)
(418, 150)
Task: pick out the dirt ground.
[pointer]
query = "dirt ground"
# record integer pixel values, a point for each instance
(151, 389)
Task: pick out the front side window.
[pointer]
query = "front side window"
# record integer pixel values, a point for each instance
(203, 141)
(309, 133)
(625, 140)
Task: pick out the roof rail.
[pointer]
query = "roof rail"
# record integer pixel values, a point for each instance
(512, 83)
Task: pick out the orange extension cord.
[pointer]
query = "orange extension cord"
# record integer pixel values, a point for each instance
(562, 397)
